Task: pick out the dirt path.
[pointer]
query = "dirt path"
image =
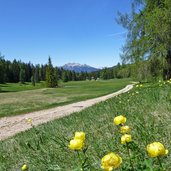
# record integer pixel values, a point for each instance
(10, 126)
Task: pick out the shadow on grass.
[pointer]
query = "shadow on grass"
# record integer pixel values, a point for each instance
(5, 91)
(4, 85)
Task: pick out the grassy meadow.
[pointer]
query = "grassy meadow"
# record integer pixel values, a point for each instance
(16, 87)
(17, 99)
(45, 148)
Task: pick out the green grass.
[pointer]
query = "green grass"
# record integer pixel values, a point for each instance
(16, 87)
(15, 100)
(45, 148)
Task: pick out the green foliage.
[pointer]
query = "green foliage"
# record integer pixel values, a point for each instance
(37, 74)
(51, 76)
(22, 75)
(2, 73)
(148, 115)
(106, 74)
(65, 76)
(33, 80)
(149, 33)
(74, 76)
(118, 71)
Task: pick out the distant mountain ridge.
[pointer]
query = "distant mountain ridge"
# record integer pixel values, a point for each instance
(79, 67)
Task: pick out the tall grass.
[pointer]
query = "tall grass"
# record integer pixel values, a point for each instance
(45, 148)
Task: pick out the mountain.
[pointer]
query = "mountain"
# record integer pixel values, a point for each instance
(79, 68)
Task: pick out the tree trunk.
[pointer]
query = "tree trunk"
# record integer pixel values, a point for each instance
(167, 71)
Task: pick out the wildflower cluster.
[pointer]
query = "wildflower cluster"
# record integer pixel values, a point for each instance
(155, 149)
(112, 160)
(120, 120)
(161, 83)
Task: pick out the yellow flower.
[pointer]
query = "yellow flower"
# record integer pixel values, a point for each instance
(111, 161)
(126, 139)
(119, 120)
(24, 167)
(76, 144)
(79, 135)
(156, 149)
(29, 120)
(125, 129)
(137, 85)
(141, 85)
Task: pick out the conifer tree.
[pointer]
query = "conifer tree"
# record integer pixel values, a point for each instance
(51, 78)
(73, 76)
(64, 76)
(1, 69)
(33, 80)
(36, 74)
(22, 76)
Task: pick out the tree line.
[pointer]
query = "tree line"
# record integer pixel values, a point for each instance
(148, 71)
(17, 71)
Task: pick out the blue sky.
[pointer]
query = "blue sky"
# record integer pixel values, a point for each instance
(83, 31)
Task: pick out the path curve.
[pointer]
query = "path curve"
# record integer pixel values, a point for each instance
(9, 126)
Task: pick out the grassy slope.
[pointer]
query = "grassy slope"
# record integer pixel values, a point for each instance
(148, 114)
(18, 101)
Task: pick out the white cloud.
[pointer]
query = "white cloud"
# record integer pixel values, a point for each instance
(119, 34)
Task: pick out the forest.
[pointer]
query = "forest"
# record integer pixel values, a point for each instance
(17, 71)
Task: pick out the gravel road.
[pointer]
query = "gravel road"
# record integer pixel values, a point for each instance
(9, 126)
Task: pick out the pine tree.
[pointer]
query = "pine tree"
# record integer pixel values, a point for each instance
(64, 76)
(73, 76)
(22, 76)
(51, 78)
(36, 75)
(33, 80)
(2, 74)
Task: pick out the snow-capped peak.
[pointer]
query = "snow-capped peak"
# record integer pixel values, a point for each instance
(78, 67)
(73, 64)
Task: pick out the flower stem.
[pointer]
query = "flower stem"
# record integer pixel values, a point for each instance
(80, 159)
(129, 155)
(160, 163)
